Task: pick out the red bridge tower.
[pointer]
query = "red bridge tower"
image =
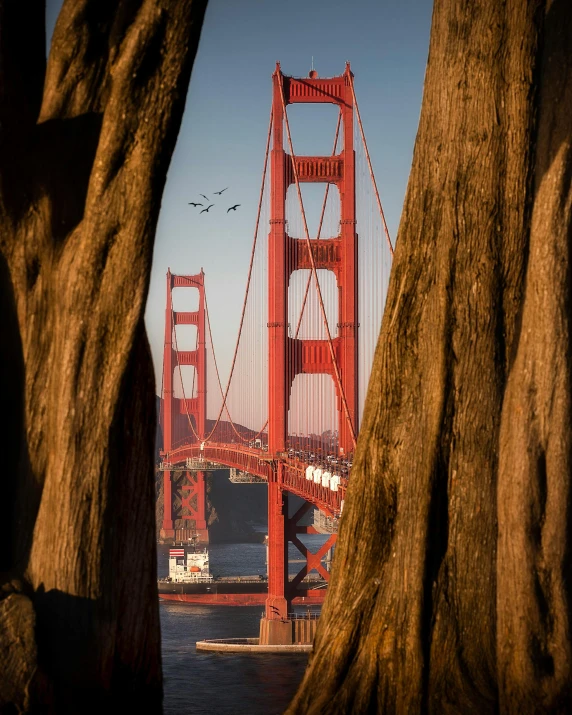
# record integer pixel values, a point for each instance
(288, 356)
(184, 419)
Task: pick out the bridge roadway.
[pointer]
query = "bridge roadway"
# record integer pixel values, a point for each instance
(288, 472)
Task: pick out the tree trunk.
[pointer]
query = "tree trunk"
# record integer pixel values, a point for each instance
(450, 590)
(85, 144)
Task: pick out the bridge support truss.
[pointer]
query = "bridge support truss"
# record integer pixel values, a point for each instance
(194, 504)
(184, 419)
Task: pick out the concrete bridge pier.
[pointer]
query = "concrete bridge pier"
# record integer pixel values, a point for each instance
(291, 631)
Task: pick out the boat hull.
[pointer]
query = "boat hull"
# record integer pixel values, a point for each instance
(231, 593)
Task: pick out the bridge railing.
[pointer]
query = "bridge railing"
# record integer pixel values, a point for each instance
(310, 616)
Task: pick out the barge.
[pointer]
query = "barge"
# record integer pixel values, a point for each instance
(190, 581)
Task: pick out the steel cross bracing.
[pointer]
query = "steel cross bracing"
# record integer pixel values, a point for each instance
(189, 439)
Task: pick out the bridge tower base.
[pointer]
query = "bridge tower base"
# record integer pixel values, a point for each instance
(277, 626)
(275, 632)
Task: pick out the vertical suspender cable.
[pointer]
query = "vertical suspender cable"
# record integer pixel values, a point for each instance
(224, 405)
(369, 165)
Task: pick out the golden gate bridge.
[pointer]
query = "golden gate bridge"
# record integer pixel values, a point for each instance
(290, 409)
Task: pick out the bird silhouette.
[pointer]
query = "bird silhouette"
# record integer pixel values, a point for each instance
(220, 192)
(207, 208)
(233, 208)
(205, 197)
(193, 204)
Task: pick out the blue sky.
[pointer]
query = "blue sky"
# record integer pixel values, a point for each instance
(223, 134)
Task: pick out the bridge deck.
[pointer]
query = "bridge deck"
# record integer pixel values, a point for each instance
(289, 472)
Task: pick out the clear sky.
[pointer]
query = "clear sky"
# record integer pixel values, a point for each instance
(223, 134)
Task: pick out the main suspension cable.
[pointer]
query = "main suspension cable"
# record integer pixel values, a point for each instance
(224, 402)
(248, 281)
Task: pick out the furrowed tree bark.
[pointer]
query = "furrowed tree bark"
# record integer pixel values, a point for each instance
(85, 144)
(450, 590)
(534, 491)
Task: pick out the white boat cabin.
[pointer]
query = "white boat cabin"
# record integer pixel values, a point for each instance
(193, 567)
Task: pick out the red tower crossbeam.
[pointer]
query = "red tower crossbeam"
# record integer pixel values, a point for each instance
(372, 175)
(186, 417)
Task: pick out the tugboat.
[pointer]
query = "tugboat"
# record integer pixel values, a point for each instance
(190, 581)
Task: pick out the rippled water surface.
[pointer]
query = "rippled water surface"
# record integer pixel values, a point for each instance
(207, 683)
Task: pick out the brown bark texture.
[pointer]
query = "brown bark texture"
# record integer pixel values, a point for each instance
(85, 144)
(450, 590)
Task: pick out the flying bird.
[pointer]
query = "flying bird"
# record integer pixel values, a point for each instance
(233, 208)
(220, 192)
(207, 208)
(193, 204)
(205, 197)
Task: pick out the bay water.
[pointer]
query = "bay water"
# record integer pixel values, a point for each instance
(199, 683)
